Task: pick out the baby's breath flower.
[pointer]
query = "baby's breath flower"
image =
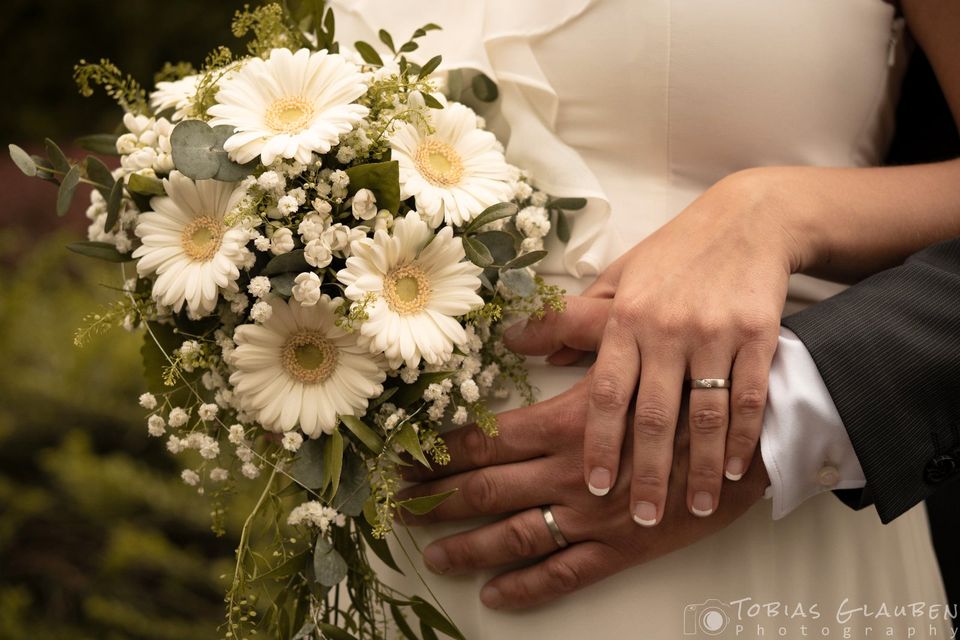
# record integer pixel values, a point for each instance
(156, 426)
(292, 441)
(178, 417)
(259, 286)
(190, 477)
(470, 391)
(148, 401)
(250, 470)
(218, 474)
(236, 434)
(261, 311)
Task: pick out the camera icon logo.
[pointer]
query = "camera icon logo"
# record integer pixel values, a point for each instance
(709, 618)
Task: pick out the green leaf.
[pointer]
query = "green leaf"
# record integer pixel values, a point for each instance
(198, 152)
(422, 31)
(410, 393)
(425, 504)
(334, 633)
(570, 204)
(67, 188)
(306, 631)
(22, 159)
(407, 47)
(519, 281)
(368, 53)
(354, 487)
(401, 622)
(283, 284)
(45, 170)
(431, 102)
(145, 185)
(288, 568)
(99, 250)
(428, 614)
(484, 88)
(229, 170)
(430, 66)
(292, 261)
(57, 158)
(332, 461)
(114, 202)
(103, 143)
(382, 178)
(365, 434)
(378, 545)
(500, 244)
(387, 39)
(329, 567)
(407, 438)
(101, 174)
(492, 214)
(307, 467)
(477, 252)
(427, 632)
(563, 226)
(527, 259)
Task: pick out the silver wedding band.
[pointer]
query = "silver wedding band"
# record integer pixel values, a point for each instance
(554, 527)
(710, 383)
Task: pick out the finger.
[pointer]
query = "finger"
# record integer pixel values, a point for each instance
(579, 325)
(561, 573)
(523, 536)
(566, 357)
(612, 382)
(751, 371)
(709, 418)
(654, 425)
(489, 491)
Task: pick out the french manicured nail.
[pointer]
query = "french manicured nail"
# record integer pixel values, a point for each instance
(734, 470)
(599, 482)
(436, 559)
(514, 331)
(491, 597)
(702, 504)
(645, 514)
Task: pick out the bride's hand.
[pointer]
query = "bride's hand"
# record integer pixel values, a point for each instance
(700, 298)
(535, 461)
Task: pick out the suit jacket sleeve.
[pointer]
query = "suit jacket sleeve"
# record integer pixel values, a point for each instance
(888, 350)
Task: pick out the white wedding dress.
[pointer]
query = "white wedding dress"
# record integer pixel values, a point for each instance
(641, 105)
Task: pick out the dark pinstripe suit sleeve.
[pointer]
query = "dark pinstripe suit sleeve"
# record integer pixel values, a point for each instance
(889, 352)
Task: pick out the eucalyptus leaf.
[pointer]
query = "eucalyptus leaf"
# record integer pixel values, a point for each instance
(329, 567)
(56, 156)
(408, 440)
(364, 433)
(145, 185)
(45, 170)
(430, 66)
(402, 624)
(492, 214)
(570, 204)
(563, 226)
(101, 174)
(368, 53)
(67, 188)
(292, 261)
(429, 614)
(198, 152)
(100, 250)
(519, 281)
(114, 203)
(426, 632)
(526, 260)
(484, 88)
(307, 467)
(334, 633)
(477, 252)
(501, 245)
(354, 488)
(411, 393)
(288, 568)
(103, 143)
(283, 284)
(431, 102)
(382, 178)
(425, 504)
(378, 545)
(332, 461)
(22, 159)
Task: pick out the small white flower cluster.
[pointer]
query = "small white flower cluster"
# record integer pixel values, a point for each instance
(314, 514)
(120, 237)
(534, 223)
(146, 145)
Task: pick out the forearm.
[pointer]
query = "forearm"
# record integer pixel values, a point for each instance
(847, 223)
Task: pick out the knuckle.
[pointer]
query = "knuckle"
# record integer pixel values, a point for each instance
(607, 393)
(481, 493)
(561, 576)
(741, 440)
(705, 473)
(652, 421)
(648, 481)
(749, 402)
(519, 540)
(756, 328)
(707, 421)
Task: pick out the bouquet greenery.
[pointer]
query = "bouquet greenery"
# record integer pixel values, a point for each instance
(320, 248)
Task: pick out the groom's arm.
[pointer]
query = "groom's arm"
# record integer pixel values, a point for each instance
(888, 351)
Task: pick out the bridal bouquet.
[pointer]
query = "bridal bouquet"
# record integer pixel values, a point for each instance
(320, 248)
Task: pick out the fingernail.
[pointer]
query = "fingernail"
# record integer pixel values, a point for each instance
(491, 597)
(702, 504)
(734, 470)
(599, 483)
(645, 514)
(436, 559)
(514, 331)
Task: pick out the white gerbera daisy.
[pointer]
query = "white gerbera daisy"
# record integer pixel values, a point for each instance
(177, 95)
(188, 245)
(419, 290)
(289, 106)
(299, 367)
(457, 171)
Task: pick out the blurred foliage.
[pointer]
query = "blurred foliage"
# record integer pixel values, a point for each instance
(99, 538)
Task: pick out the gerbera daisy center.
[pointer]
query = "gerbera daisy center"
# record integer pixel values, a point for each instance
(439, 163)
(407, 289)
(201, 238)
(309, 357)
(289, 115)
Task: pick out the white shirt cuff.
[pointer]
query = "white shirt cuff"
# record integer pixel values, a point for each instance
(804, 444)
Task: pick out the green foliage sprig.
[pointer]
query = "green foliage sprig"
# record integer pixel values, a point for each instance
(123, 88)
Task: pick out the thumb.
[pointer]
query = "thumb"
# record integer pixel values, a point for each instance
(579, 326)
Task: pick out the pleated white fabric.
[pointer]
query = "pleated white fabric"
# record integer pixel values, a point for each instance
(640, 106)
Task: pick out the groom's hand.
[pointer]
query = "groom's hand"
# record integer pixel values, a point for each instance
(536, 460)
